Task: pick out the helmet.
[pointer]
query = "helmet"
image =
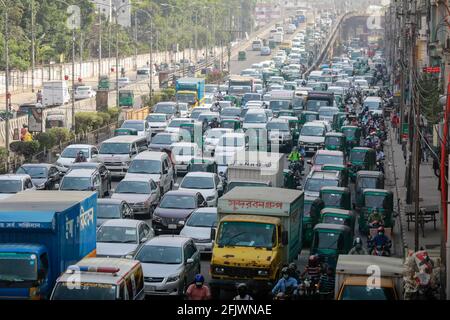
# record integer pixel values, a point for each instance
(284, 271)
(380, 229)
(292, 266)
(357, 242)
(312, 261)
(81, 152)
(199, 278)
(242, 289)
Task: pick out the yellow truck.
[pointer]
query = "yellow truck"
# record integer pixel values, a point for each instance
(259, 231)
(367, 277)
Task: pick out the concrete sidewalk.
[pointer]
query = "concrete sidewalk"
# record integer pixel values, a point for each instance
(428, 195)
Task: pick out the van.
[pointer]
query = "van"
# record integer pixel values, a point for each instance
(257, 45)
(118, 152)
(55, 93)
(142, 74)
(101, 279)
(154, 165)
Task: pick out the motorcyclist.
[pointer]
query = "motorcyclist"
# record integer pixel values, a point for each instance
(380, 154)
(381, 240)
(80, 157)
(312, 269)
(197, 290)
(375, 219)
(242, 292)
(358, 248)
(293, 272)
(286, 285)
(326, 284)
(214, 123)
(294, 156)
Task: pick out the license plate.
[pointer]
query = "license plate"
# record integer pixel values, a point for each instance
(172, 226)
(151, 288)
(311, 149)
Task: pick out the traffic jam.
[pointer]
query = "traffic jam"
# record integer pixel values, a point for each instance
(269, 185)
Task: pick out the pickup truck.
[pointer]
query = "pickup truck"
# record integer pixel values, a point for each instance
(41, 234)
(367, 277)
(259, 231)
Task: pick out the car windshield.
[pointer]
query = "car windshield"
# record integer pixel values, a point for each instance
(255, 118)
(177, 123)
(231, 112)
(328, 240)
(332, 199)
(327, 112)
(186, 97)
(17, 267)
(163, 139)
(279, 105)
(178, 202)
(76, 184)
(34, 172)
(164, 109)
(202, 220)
(115, 148)
(183, 151)
(197, 112)
(357, 156)
(247, 234)
(326, 159)
(231, 142)
(160, 255)
(315, 185)
(145, 166)
(139, 126)
(84, 291)
(108, 211)
(281, 126)
(72, 153)
(316, 131)
(116, 234)
(314, 105)
(139, 187)
(156, 118)
(372, 105)
(192, 182)
(354, 292)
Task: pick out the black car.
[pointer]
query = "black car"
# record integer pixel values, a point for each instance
(108, 209)
(174, 209)
(43, 175)
(101, 168)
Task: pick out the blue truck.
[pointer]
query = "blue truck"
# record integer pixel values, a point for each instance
(41, 234)
(190, 90)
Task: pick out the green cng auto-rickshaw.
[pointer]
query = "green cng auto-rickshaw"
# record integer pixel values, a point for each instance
(367, 180)
(335, 141)
(338, 121)
(125, 132)
(231, 124)
(192, 132)
(339, 217)
(353, 136)
(338, 167)
(236, 101)
(361, 158)
(336, 197)
(126, 98)
(242, 56)
(376, 204)
(311, 216)
(331, 240)
(308, 116)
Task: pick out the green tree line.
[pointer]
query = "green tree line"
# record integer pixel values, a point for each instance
(215, 22)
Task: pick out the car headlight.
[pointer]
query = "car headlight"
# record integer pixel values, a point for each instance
(173, 278)
(219, 270)
(41, 186)
(157, 218)
(210, 198)
(263, 272)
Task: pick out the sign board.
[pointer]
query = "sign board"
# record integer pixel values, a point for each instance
(405, 131)
(431, 69)
(35, 119)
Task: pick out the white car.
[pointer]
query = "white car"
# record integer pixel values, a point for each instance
(207, 183)
(158, 122)
(229, 145)
(212, 137)
(184, 109)
(200, 226)
(183, 152)
(84, 92)
(312, 136)
(11, 184)
(255, 119)
(68, 156)
(123, 82)
(175, 124)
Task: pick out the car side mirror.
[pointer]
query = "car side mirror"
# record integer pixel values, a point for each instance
(129, 257)
(190, 261)
(176, 186)
(56, 185)
(284, 238)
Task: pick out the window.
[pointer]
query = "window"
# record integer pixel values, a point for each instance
(201, 200)
(189, 251)
(94, 151)
(52, 171)
(153, 185)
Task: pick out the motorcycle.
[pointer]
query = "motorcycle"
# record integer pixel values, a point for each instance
(308, 288)
(380, 250)
(380, 166)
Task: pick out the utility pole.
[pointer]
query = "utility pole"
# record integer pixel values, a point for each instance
(135, 41)
(151, 60)
(196, 35)
(117, 57)
(33, 39)
(81, 52)
(100, 45)
(73, 79)
(8, 96)
(229, 41)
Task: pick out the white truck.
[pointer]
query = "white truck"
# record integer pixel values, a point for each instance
(55, 93)
(255, 168)
(278, 37)
(367, 277)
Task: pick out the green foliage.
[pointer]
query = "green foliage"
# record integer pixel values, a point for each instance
(168, 94)
(26, 149)
(46, 140)
(114, 114)
(428, 90)
(87, 121)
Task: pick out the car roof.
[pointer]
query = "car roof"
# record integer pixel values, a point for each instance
(330, 152)
(121, 223)
(150, 155)
(205, 210)
(200, 174)
(158, 114)
(80, 146)
(13, 176)
(81, 173)
(47, 165)
(184, 144)
(168, 240)
(136, 179)
(181, 193)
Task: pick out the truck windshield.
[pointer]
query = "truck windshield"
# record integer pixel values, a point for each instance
(10, 186)
(76, 184)
(247, 234)
(366, 293)
(84, 291)
(186, 97)
(115, 148)
(145, 166)
(112, 234)
(17, 267)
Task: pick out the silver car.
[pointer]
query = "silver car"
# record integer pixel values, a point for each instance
(170, 264)
(121, 238)
(141, 194)
(201, 227)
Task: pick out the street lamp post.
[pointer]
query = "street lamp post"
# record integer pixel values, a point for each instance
(8, 97)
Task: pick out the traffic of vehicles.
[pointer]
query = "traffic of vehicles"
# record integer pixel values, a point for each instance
(280, 167)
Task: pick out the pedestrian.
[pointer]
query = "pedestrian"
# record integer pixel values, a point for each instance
(23, 131)
(39, 96)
